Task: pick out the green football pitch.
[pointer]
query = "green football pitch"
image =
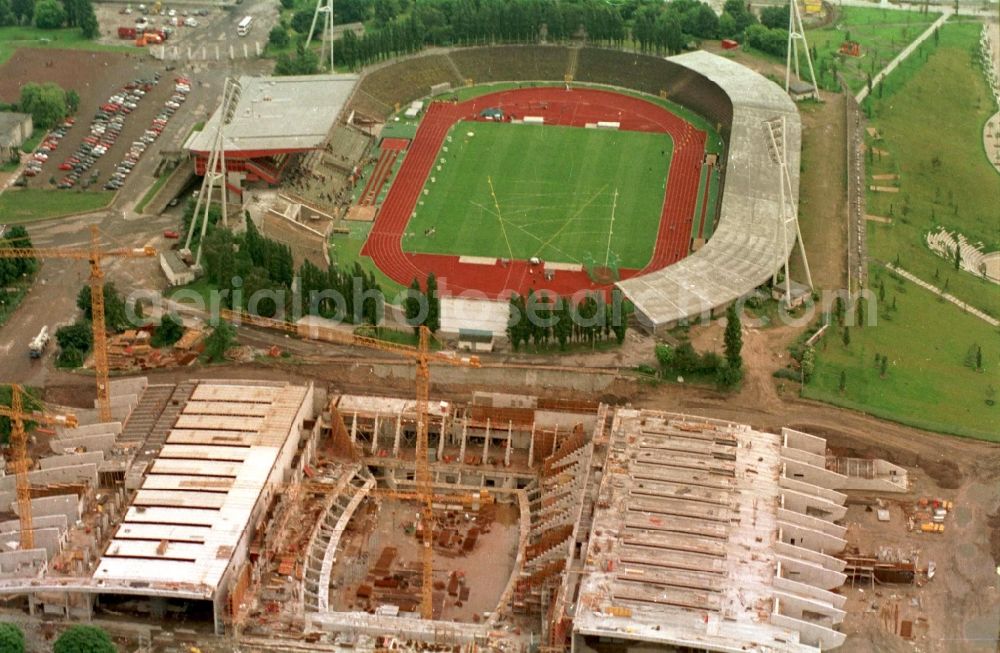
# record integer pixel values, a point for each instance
(563, 194)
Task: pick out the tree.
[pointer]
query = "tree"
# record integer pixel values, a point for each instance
(170, 331)
(11, 638)
(88, 20)
(23, 10)
(859, 311)
(72, 101)
(115, 314)
(728, 377)
(979, 357)
(49, 14)
(884, 366)
(843, 381)
(75, 336)
(411, 306)
(665, 358)
(302, 20)
(7, 16)
(733, 338)
(45, 102)
(287, 4)
(433, 321)
(84, 639)
(847, 336)
(686, 359)
(220, 340)
(775, 17)
(958, 257)
(808, 364)
(278, 37)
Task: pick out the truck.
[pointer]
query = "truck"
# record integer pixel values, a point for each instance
(37, 345)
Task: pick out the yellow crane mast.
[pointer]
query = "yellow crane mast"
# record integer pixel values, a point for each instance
(19, 448)
(94, 255)
(422, 356)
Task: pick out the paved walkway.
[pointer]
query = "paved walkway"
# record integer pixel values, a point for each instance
(951, 298)
(907, 51)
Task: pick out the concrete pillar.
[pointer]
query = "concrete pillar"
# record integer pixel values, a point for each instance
(354, 427)
(461, 449)
(395, 442)
(531, 446)
(441, 437)
(510, 440)
(375, 435)
(486, 443)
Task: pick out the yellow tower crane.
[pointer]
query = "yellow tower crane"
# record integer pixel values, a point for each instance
(19, 448)
(94, 255)
(422, 356)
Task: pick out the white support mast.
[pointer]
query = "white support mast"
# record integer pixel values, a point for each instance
(776, 149)
(797, 34)
(324, 7)
(215, 173)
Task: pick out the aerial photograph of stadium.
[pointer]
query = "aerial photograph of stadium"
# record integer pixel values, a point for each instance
(499, 326)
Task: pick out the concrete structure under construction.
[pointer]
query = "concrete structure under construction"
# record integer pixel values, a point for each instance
(711, 536)
(273, 510)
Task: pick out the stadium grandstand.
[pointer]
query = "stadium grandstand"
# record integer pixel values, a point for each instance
(748, 245)
(274, 119)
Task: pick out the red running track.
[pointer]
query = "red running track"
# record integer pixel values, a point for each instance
(558, 106)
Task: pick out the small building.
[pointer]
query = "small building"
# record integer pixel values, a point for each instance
(15, 129)
(850, 48)
(800, 90)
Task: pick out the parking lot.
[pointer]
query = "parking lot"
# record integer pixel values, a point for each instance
(109, 134)
(184, 26)
(112, 122)
(192, 32)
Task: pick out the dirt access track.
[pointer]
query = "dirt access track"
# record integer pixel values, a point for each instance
(961, 605)
(94, 76)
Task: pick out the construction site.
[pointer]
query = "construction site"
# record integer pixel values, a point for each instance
(284, 512)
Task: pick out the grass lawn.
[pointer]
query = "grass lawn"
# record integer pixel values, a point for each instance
(345, 250)
(945, 178)
(927, 383)
(12, 38)
(519, 191)
(30, 204)
(882, 33)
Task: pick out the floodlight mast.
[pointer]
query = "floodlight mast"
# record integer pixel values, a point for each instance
(215, 172)
(324, 7)
(797, 33)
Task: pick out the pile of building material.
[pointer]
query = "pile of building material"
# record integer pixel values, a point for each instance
(132, 350)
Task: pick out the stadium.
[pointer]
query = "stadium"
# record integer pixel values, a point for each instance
(512, 169)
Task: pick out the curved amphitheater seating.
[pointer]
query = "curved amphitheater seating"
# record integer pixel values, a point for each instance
(746, 246)
(400, 82)
(506, 63)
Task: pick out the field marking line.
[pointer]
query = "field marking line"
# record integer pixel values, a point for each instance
(611, 227)
(572, 218)
(531, 235)
(503, 228)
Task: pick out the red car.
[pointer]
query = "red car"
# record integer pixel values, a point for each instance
(170, 233)
(66, 165)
